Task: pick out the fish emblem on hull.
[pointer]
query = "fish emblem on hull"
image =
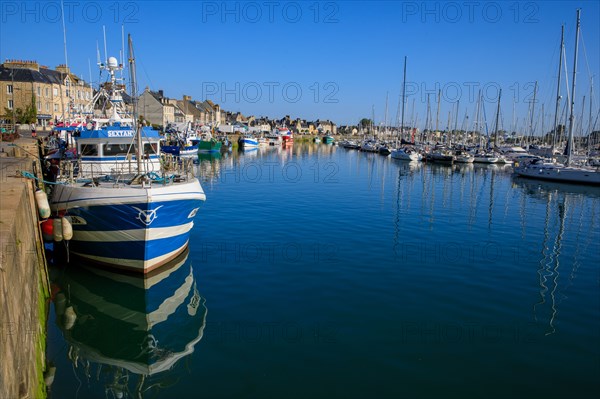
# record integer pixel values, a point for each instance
(146, 217)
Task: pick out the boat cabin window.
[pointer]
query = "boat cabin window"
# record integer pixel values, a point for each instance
(89, 150)
(150, 148)
(117, 149)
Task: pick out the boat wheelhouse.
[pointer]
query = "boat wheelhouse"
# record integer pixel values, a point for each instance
(112, 149)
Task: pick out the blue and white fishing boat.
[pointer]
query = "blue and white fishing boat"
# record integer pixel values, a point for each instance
(182, 144)
(248, 141)
(128, 209)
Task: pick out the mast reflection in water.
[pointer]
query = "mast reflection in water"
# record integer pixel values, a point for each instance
(564, 211)
(122, 332)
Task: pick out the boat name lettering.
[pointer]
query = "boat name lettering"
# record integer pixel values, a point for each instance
(120, 133)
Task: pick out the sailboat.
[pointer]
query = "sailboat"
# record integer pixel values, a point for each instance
(540, 169)
(405, 154)
(137, 215)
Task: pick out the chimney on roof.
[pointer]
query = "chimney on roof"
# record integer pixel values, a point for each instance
(22, 64)
(161, 93)
(62, 68)
(187, 98)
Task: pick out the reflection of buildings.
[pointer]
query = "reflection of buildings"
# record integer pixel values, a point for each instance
(567, 233)
(209, 166)
(126, 330)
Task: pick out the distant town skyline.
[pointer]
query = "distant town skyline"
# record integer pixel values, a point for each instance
(330, 60)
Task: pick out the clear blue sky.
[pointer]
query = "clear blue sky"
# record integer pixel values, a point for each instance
(328, 60)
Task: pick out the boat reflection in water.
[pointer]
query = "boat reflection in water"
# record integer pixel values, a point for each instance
(567, 235)
(124, 331)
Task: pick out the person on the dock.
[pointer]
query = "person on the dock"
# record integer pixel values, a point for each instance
(33, 133)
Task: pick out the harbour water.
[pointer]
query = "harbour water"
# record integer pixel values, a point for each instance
(315, 271)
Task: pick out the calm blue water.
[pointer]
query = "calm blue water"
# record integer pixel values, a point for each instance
(323, 272)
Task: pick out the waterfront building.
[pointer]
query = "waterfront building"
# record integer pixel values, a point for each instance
(57, 93)
(156, 108)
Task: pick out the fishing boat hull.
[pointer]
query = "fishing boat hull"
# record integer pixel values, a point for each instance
(188, 151)
(248, 143)
(137, 229)
(209, 146)
(327, 140)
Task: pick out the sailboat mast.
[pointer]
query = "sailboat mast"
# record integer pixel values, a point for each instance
(532, 112)
(403, 98)
(448, 134)
(556, 110)
(134, 99)
(437, 116)
(571, 117)
(456, 119)
(497, 118)
(385, 122)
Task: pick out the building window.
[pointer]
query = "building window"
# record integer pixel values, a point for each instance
(55, 91)
(39, 105)
(39, 91)
(10, 104)
(55, 107)
(47, 107)
(47, 92)
(9, 89)
(78, 94)
(66, 92)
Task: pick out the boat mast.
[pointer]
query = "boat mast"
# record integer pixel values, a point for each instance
(132, 75)
(448, 137)
(476, 120)
(532, 113)
(571, 117)
(455, 121)
(385, 128)
(497, 118)
(437, 116)
(562, 44)
(403, 99)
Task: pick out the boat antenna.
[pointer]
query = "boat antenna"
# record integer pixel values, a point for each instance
(105, 52)
(571, 117)
(122, 48)
(62, 9)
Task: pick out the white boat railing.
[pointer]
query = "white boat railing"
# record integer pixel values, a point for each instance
(172, 170)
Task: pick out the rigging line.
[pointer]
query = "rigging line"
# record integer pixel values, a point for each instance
(587, 64)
